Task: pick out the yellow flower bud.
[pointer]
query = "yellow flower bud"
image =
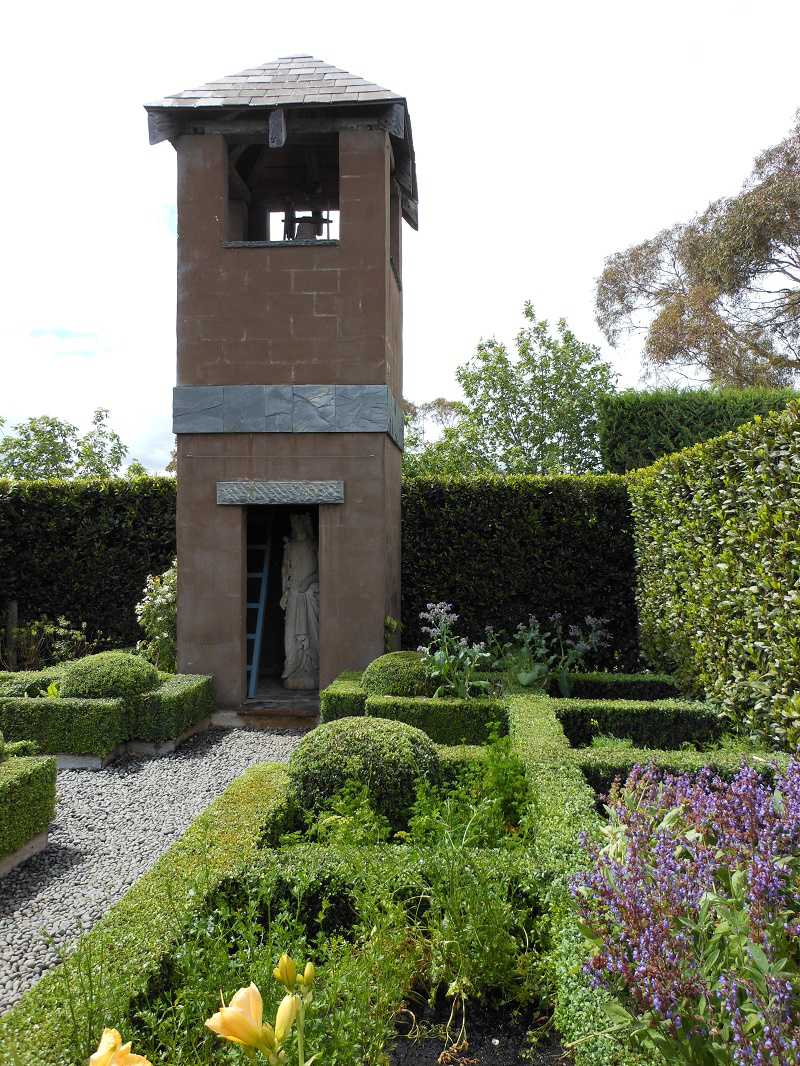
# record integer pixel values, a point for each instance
(308, 975)
(285, 1018)
(286, 972)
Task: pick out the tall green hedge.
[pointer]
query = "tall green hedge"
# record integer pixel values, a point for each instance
(500, 549)
(84, 548)
(636, 428)
(718, 546)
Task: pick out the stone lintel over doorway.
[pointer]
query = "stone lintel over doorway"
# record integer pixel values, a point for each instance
(246, 493)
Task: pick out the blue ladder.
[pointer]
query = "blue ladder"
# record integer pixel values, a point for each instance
(260, 605)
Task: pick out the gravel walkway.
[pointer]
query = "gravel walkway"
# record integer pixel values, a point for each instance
(111, 825)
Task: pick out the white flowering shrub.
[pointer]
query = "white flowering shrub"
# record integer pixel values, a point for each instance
(157, 615)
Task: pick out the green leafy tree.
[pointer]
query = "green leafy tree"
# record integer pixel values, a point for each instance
(531, 412)
(48, 447)
(719, 295)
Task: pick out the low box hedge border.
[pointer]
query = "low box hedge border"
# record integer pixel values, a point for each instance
(343, 698)
(600, 685)
(98, 727)
(65, 725)
(446, 721)
(27, 800)
(648, 723)
(566, 811)
(28, 682)
(128, 947)
(601, 766)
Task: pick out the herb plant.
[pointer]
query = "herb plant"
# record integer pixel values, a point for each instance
(451, 662)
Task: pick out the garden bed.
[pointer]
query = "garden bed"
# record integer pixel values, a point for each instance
(88, 732)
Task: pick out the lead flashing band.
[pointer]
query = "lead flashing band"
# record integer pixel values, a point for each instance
(287, 409)
(279, 492)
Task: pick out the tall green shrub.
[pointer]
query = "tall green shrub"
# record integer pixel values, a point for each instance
(718, 549)
(84, 548)
(502, 548)
(636, 428)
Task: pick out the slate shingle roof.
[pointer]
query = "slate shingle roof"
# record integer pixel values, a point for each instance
(297, 80)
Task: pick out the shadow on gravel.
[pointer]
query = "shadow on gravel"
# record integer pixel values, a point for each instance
(27, 880)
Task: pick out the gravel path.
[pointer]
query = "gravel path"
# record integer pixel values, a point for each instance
(111, 825)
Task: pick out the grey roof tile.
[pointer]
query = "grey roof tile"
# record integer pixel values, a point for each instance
(299, 79)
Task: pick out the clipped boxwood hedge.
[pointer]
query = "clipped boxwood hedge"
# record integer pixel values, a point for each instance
(446, 721)
(343, 698)
(601, 766)
(648, 723)
(637, 427)
(502, 548)
(108, 674)
(179, 702)
(27, 800)
(608, 686)
(76, 727)
(389, 758)
(96, 727)
(399, 673)
(137, 936)
(28, 682)
(718, 546)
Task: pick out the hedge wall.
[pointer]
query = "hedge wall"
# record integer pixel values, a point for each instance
(500, 549)
(636, 428)
(84, 548)
(718, 545)
(27, 800)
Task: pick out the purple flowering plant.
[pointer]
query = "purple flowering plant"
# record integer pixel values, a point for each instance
(692, 908)
(451, 662)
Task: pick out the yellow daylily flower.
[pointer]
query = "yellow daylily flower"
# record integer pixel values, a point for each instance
(286, 972)
(285, 1018)
(112, 1052)
(242, 1022)
(308, 975)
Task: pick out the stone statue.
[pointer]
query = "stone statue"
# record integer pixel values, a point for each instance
(300, 601)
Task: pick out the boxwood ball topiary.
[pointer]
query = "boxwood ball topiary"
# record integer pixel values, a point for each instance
(389, 758)
(109, 673)
(400, 673)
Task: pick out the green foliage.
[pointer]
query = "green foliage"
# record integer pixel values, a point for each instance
(58, 1022)
(76, 726)
(28, 682)
(47, 447)
(652, 723)
(400, 673)
(606, 686)
(157, 614)
(84, 726)
(445, 720)
(165, 713)
(22, 747)
(539, 655)
(718, 558)
(27, 800)
(565, 811)
(497, 547)
(637, 427)
(343, 698)
(108, 674)
(43, 643)
(389, 758)
(83, 549)
(531, 413)
(719, 293)
(601, 766)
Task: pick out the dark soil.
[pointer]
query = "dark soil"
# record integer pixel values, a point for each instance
(495, 1037)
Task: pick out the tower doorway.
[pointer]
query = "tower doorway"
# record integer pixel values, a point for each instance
(272, 532)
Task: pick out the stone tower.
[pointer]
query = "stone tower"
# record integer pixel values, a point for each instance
(293, 180)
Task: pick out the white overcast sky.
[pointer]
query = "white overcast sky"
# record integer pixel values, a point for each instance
(548, 135)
